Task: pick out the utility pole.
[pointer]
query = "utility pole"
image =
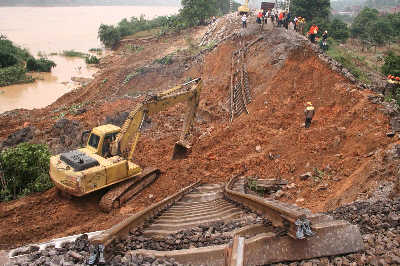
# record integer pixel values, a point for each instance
(231, 6)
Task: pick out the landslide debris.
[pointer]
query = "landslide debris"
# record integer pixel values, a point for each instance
(346, 145)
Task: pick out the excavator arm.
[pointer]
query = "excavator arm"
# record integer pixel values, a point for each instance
(126, 140)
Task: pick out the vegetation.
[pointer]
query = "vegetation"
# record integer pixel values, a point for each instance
(92, 59)
(311, 9)
(39, 65)
(372, 28)
(96, 50)
(348, 60)
(13, 75)
(391, 65)
(166, 60)
(24, 170)
(196, 12)
(193, 13)
(73, 53)
(13, 60)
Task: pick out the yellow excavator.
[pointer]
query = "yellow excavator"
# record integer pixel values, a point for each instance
(244, 9)
(106, 161)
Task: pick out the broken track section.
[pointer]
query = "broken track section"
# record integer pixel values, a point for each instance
(196, 225)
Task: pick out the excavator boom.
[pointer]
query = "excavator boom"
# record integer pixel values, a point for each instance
(126, 140)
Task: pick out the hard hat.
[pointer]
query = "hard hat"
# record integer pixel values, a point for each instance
(309, 103)
(326, 31)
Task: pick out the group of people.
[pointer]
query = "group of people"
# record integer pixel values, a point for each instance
(278, 19)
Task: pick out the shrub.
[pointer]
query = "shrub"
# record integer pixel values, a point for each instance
(7, 47)
(7, 60)
(92, 59)
(72, 53)
(392, 65)
(166, 60)
(39, 65)
(109, 35)
(13, 75)
(24, 170)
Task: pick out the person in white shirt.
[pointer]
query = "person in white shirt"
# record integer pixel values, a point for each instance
(244, 21)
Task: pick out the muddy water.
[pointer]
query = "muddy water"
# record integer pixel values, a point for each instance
(54, 29)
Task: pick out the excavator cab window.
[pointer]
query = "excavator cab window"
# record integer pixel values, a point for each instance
(94, 140)
(108, 139)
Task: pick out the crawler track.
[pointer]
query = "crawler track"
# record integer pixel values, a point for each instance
(218, 224)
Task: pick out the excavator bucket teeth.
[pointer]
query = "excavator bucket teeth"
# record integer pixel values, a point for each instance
(181, 150)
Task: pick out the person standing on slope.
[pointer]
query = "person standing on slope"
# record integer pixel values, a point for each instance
(244, 21)
(309, 113)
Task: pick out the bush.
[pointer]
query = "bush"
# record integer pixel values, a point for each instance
(392, 65)
(24, 170)
(166, 60)
(7, 47)
(7, 60)
(91, 59)
(72, 53)
(109, 35)
(40, 65)
(13, 75)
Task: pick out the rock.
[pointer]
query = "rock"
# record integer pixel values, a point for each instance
(300, 200)
(305, 176)
(258, 148)
(391, 134)
(395, 259)
(151, 196)
(22, 135)
(118, 119)
(75, 255)
(279, 194)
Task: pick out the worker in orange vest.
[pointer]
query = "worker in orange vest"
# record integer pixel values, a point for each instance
(281, 16)
(313, 32)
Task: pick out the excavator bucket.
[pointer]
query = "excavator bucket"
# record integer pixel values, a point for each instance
(181, 150)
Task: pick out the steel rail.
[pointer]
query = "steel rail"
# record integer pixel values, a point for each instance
(279, 214)
(135, 221)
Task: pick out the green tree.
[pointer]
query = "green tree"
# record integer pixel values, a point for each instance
(311, 9)
(362, 23)
(109, 35)
(380, 31)
(338, 30)
(40, 65)
(392, 64)
(196, 12)
(23, 170)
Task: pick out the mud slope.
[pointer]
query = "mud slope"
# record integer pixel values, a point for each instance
(347, 140)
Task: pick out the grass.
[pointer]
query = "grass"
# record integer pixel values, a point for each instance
(133, 48)
(138, 71)
(144, 34)
(348, 59)
(166, 60)
(73, 53)
(95, 50)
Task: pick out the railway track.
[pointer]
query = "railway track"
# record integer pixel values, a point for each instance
(240, 94)
(206, 225)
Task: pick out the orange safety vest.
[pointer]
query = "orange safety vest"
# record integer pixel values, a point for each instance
(259, 15)
(281, 16)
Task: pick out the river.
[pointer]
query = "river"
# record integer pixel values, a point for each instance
(49, 30)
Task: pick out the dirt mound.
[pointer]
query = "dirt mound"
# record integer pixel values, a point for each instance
(345, 148)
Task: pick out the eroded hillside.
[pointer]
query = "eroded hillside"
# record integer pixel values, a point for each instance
(347, 144)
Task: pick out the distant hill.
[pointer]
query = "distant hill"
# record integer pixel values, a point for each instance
(89, 2)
